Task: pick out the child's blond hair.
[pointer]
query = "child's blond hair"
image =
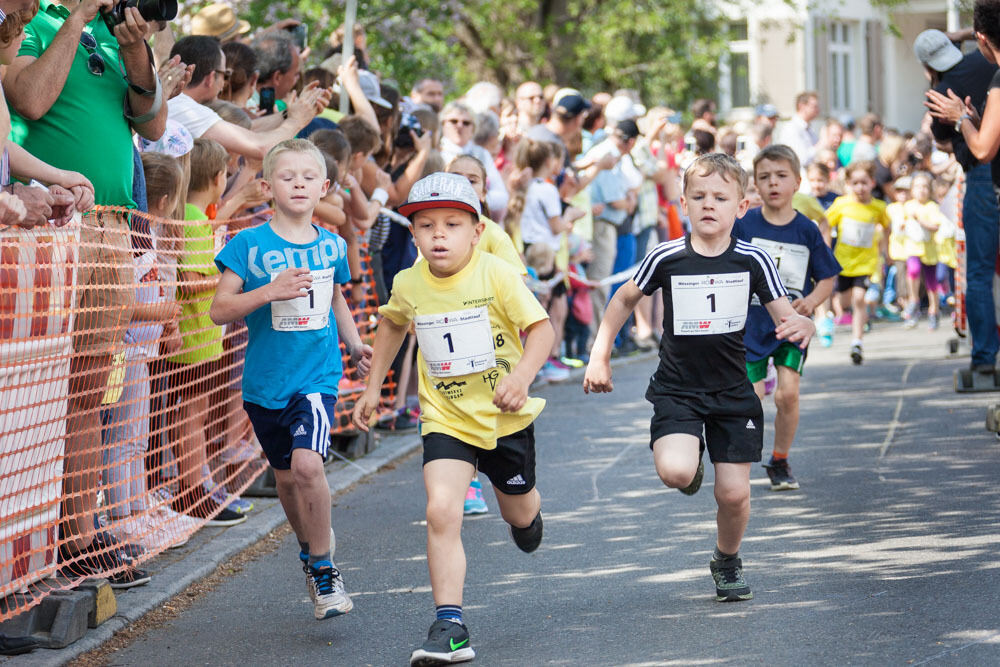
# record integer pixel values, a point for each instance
(293, 146)
(717, 163)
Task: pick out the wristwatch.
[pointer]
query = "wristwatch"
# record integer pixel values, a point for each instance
(958, 123)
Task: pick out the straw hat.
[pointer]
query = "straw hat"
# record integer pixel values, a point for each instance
(218, 21)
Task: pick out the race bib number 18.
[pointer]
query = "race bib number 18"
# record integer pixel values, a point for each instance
(710, 304)
(308, 312)
(456, 343)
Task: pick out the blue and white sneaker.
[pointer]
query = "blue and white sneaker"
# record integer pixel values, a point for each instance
(474, 501)
(331, 599)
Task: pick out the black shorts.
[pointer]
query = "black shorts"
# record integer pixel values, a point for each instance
(732, 420)
(510, 467)
(845, 283)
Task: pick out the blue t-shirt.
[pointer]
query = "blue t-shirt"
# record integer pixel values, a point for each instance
(827, 199)
(802, 258)
(294, 347)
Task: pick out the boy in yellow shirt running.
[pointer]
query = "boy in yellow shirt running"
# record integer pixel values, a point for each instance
(857, 217)
(468, 308)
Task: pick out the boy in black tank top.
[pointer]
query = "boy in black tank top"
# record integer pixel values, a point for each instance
(700, 391)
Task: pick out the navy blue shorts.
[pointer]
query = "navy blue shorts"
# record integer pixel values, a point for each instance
(302, 424)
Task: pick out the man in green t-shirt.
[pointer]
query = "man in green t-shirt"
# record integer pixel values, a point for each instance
(81, 90)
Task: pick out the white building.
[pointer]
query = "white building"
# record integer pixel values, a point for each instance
(843, 49)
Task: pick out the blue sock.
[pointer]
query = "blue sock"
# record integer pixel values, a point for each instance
(449, 612)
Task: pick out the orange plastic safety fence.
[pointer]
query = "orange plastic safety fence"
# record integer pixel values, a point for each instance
(121, 419)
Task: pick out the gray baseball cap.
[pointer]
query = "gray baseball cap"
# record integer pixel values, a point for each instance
(935, 50)
(441, 190)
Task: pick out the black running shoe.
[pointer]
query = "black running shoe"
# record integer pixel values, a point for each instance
(93, 562)
(780, 475)
(447, 643)
(528, 539)
(856, 356)
(730, 586)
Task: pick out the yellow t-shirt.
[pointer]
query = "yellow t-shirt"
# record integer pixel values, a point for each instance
(497, 242)
(920, 241)
(858, 227)
(202, 339)
(897, 232)
(808, 206)
(462, 405)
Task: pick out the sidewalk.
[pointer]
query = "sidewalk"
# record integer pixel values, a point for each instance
(175, 570)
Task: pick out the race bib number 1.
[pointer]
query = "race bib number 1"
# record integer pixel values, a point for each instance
(308, 312)
(710, 304)
(456, 343)
(855, 233)
(791, 260)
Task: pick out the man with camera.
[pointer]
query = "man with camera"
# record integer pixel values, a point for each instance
(83, 81)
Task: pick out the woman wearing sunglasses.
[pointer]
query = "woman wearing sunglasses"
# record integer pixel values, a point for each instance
(458, 125)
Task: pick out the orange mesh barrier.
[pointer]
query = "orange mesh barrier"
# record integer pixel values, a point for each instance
(120, 409)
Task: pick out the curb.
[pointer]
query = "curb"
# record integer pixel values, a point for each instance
(176, 569)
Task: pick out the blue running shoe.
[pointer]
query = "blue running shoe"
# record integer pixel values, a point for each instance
(474, 501)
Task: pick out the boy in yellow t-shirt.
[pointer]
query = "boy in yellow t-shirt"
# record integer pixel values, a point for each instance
(469, 308)
(857, 218)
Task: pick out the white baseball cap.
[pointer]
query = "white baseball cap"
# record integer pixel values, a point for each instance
(441, 190)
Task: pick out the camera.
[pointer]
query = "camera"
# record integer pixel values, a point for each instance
(151, 10)
(407, 123)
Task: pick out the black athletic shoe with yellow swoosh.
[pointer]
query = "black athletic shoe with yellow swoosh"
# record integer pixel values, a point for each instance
(447, 643)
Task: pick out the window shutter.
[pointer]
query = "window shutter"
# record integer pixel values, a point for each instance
(876, 79)
(821, 38)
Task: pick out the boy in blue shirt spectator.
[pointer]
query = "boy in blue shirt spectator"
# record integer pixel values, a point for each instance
(808, 270)
(285, 278)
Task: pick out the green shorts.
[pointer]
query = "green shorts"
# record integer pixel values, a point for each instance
(787, 354)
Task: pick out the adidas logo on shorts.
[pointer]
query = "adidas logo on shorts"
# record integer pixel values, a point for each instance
(301, 430)
(516, 480)
(750, 425)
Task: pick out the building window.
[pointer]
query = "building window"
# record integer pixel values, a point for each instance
(737, 69)
(841, 47)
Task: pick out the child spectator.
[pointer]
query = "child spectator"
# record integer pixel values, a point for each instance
(134, 515)
(807, 269)
(857, 218)
(581, 309)
(701, 383)
(535, 215)
(193, 371)
(474, 413)
(296, 316)
(923, 220)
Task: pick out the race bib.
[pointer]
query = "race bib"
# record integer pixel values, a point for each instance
(710, 304)
(308, 312)
(791, 260)
(456, 343)
(855, 233)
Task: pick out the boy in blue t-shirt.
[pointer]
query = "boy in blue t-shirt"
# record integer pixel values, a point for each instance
(284, 277)
(808, 270)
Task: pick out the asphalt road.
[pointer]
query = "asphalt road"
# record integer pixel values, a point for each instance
(887, 555)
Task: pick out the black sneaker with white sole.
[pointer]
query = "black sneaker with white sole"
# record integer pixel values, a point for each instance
(730, 586)
(527, 539)
(447, 643)
(93, 562)
(780, 475)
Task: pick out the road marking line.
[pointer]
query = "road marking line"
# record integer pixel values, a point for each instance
(890, 434)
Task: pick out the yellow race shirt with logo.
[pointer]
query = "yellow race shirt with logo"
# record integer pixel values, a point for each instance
(468, 328)
(858, 228)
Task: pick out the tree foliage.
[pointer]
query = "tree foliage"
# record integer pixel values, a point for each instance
(667, 49)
